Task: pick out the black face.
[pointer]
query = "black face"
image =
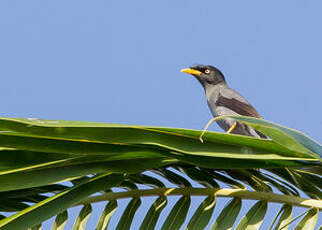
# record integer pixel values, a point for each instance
(209, 74)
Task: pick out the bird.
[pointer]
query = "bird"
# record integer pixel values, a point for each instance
(223, 100)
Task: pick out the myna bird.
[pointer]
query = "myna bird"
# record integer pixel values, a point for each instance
(223, 100)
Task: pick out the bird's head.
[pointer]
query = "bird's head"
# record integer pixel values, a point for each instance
(206, 74)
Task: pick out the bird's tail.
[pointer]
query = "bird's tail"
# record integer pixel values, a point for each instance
(261, 135)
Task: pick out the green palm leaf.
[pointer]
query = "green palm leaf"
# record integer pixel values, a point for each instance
(38, 155)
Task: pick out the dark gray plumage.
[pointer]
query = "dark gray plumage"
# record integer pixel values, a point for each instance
(223, 100)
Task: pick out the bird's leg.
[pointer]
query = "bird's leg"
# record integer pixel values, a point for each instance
(232, 127)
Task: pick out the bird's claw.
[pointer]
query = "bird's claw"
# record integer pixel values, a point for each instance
(231, 127)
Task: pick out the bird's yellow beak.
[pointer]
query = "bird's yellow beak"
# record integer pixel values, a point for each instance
(191, 71)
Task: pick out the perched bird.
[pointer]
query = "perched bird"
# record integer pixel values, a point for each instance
(223, 100)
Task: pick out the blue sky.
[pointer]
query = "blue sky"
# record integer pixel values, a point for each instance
(120, 61)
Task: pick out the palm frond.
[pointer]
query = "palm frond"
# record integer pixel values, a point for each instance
(47, 167)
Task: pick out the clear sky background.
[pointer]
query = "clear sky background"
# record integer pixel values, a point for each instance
(120, 61)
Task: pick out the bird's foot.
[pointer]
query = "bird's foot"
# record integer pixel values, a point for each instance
(232, 127)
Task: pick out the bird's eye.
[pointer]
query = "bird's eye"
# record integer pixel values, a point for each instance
(207, 71)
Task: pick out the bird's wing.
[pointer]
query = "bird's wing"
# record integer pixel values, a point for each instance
(237, 106)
